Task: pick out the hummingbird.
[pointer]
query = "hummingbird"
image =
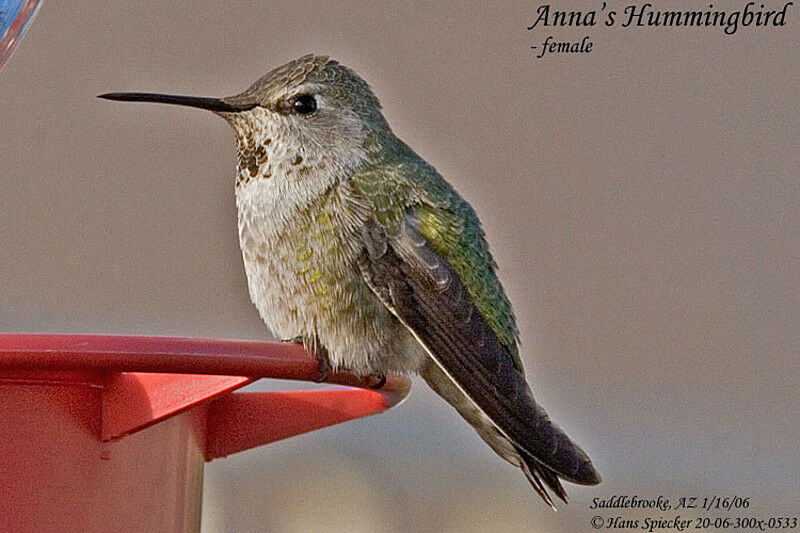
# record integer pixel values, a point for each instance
(357, 247)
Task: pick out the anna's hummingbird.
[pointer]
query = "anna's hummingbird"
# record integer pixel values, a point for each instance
(358, 247)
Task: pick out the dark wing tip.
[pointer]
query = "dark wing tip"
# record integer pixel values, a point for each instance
(589, 476)
(540, 475)
(584, 472)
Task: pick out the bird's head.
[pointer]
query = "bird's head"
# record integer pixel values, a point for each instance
(312, 110)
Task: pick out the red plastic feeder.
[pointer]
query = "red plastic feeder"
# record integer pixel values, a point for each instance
(101, 433)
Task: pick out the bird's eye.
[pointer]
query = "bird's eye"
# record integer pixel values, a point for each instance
(304, 104)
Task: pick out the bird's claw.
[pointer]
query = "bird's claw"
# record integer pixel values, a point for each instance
(324, 365)
(376, 381)
(321, 354)
(373, 381)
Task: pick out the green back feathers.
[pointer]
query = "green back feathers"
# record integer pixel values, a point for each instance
(401, 181)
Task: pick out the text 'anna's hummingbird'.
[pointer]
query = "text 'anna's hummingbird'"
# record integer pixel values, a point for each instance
(354, 244)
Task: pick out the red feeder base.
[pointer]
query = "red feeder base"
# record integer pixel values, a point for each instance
(73, 453)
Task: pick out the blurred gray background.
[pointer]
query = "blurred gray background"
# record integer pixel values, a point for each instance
(642, 202)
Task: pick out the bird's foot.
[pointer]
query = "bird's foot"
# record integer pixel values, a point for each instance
(376, 381)
(321, 354)
(324, 364)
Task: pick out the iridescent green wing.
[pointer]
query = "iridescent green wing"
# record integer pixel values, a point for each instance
(458, 318)
(402, 182)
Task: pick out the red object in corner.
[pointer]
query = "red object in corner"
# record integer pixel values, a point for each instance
(102, 433)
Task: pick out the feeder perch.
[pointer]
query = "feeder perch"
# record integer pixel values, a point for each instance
(110, 433)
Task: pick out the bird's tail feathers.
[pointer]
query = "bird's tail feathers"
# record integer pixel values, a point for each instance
(539, 475)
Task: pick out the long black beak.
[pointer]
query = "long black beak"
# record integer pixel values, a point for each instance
(212, 104)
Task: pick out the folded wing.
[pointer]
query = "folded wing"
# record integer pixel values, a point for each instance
(426, 294)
